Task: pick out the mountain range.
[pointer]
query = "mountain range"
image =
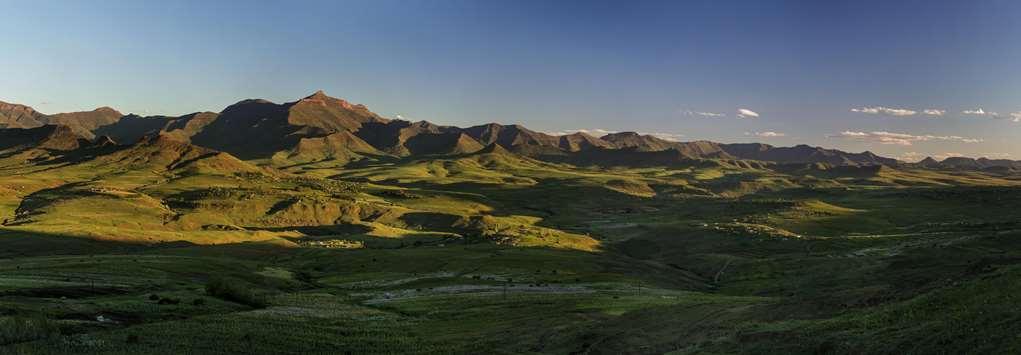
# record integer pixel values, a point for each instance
(321, 128)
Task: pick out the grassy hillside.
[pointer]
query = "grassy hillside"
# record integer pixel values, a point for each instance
(163, 246)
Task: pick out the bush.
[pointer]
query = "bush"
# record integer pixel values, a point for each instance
(235, 290)
(169, 301)
(19, 329)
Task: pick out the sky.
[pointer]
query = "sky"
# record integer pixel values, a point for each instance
(904, 79)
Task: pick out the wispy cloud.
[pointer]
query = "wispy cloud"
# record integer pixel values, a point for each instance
(746, 113)
(1015, 116)
(766, 134)
(934, 112)
(903, 139)
(880, 110)
(703, 114)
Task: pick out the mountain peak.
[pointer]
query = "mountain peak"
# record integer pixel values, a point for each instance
(928, 162)
(320, 98)
(106, 109)
(319, 94)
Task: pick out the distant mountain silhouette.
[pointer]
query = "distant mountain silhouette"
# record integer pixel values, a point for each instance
(804, 154)
(323, 128)
(964, 163)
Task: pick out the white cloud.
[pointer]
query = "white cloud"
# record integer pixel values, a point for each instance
(980, 112)
(598, 132)
(674, 137)
(399, 117)
(934, 112)
(916, 156)
(766, 134)
(746, 113)
(1013, 116)
(912, 156)
(997, 155)
(880, 110)
(704, 114)
(944, 156)
(903, 139)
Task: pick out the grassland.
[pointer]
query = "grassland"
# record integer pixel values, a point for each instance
(496, 253)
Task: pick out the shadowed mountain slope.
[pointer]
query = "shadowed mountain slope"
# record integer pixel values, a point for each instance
(649, 143)
(59, 138)
(512, 137)
(131, 128)
(641, 143)
(583, 141)
(342, 146)
(165, 153)
(253, 129)
(86, 122)
(403, 138)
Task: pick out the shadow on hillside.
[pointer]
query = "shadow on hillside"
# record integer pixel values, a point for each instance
(17, 243)
(82, 154)
(25, 244)
(321, 230)
(549, 198)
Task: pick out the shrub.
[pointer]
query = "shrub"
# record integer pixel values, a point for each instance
(20, 329)
(170, 301)
(235, 290)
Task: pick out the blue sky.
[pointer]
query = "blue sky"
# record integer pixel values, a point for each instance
(804, 67)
